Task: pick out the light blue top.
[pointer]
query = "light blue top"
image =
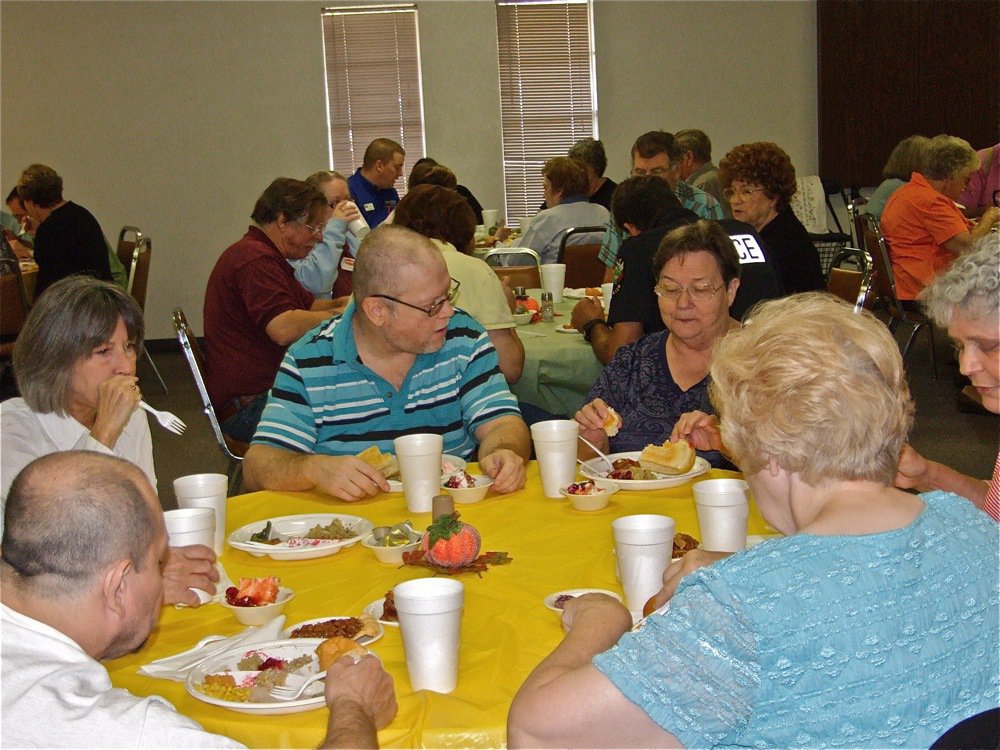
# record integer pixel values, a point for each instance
(884, 640)
(318, 270)
(876, 203)
(546, 230)
(324, 400)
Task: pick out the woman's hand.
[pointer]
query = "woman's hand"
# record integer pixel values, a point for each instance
(690, 562)
(346, 211)
(117, 398)
(591, 420)
(699, 429)
(913, 470)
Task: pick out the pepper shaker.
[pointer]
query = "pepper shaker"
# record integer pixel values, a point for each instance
(548, 310)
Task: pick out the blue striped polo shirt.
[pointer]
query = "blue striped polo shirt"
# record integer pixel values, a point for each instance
(324, 400)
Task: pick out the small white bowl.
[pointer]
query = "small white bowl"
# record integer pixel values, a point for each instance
(264, 613)
(469, 495)
(391, 555)
(597, 501)
(523, 318)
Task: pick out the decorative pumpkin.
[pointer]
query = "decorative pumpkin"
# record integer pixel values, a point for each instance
(450, 543)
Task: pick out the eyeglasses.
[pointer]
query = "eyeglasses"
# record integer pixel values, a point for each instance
(698, 292)
(654, 172)
(744, 193)
(434, 307)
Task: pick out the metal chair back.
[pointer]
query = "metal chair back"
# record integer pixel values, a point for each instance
(527, 272)
(128, 239)
(138, 283)
(851, 284)
(583, 267)
(233, 450)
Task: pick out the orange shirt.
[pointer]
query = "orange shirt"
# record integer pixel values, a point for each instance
(916, 222)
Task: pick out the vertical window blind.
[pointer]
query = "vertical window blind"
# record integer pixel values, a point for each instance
(372, 80)
(547, 91)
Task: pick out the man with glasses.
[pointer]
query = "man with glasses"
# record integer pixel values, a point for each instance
(658, 154)
(400, 360)
(255, 308)
(372, 185)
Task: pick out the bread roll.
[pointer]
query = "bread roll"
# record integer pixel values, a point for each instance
(669, 458)
(612, 423)
(384, 462)
(333, 648)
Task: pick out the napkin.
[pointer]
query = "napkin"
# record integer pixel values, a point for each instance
(176, 667)
(220, 589)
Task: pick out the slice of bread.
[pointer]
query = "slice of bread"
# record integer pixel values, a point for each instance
(612, 423)
(384, 462)
(669, 458)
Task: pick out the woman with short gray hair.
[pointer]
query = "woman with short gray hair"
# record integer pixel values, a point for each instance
(74, 361)
(966, 300)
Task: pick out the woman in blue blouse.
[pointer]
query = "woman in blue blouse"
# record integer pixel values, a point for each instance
(873, 623)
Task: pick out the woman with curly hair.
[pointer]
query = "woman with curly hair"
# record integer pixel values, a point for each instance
(758, 180)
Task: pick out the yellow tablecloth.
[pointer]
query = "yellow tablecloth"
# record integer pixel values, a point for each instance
(506, 630)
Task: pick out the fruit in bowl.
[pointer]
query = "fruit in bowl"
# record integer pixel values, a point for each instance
(257, 600)
(589, 495)
(466, 488)
(390, 547)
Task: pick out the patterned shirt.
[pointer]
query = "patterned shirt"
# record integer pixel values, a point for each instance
(992, 503)
(874, 640)
(324, 400)
(691, 198)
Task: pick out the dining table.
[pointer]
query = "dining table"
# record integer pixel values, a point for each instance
(506, 629)
(560, 367)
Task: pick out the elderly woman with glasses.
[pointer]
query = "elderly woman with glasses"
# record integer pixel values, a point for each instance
(655, 380)
(74, 361)
(966, 300)
(872, 623)
(758, 180)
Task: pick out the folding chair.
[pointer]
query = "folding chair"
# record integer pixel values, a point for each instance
(527, 274)
(885, 287)
(851, 284)
(232, 449)
(138, 281)
(583, 268)
(128, 239)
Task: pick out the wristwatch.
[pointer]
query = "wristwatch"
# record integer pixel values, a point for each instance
(588, 327)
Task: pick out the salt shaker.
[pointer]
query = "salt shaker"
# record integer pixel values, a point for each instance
(548, 310)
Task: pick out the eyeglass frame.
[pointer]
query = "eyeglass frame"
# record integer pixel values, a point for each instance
(745, 193)
(435, 307)
(697, 294)
(654, 172)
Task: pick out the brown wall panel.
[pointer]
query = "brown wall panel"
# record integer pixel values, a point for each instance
(891, 68)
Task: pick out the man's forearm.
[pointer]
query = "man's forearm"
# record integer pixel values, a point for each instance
(506, 432)
(349, 726)
(267, 468)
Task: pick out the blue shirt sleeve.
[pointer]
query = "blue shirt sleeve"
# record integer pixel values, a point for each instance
(317, 270)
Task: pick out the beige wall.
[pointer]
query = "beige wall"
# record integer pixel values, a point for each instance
(175, 115)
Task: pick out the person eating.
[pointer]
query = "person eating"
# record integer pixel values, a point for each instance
(400, 360)
(74, 362)
(872, 623)
(653, 381)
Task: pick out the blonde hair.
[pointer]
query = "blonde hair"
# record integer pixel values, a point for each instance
(815, 386)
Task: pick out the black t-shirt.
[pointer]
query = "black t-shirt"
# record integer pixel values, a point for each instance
(602, 196)
(634, 299)
(477, 209)
(793, 253)
(68, 242)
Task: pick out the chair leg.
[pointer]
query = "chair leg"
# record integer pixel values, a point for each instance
(235, 477)
(909, 341)
(930, 330)
(152, 364)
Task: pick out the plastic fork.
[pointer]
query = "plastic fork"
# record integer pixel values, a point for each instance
(169, 421)
(291, 692)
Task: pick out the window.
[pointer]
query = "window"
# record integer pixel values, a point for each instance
(547, 90)
(372, 80)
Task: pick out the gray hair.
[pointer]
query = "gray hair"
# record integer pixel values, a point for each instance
(73, 317)
(906, 158)
(591, 152)
(319, 179)
(69, 515)
(971, 284)
(296, 200)
(383, 253)
(696, 142)
(946, 155)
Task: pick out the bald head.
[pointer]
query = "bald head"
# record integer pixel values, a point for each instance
(387, 257)
(69, 515)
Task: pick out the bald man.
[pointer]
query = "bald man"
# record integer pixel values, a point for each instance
(400, 360)
(80, 581)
